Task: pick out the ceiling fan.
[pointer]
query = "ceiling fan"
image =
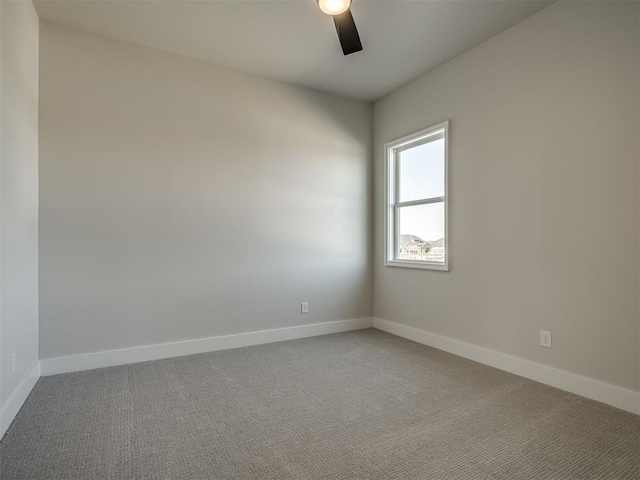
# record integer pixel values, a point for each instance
(345, 25)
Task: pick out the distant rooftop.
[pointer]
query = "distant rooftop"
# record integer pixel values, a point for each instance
(414, 240)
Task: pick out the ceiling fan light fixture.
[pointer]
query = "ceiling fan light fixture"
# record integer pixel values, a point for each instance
(334, 7)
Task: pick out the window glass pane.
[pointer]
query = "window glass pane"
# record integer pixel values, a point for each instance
(422, 171)
(421, 232)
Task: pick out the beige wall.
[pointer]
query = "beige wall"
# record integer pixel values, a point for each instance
(544, 193)
(18, 193)
(182, 200)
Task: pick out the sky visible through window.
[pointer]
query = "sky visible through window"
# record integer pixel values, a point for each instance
(422, 176)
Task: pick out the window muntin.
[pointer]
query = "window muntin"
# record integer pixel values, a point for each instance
(417, 200)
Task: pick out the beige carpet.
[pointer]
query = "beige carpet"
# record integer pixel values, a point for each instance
(358, 405)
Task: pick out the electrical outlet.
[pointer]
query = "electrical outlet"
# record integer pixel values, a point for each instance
(545, 339)
(304, 307)
(13, 362)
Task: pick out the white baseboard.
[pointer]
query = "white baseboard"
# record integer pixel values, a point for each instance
(15, 401)
(110, 358)
(622, 398)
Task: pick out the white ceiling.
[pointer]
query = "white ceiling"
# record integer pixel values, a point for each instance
(295, 42)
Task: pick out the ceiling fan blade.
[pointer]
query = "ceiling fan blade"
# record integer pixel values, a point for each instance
(347, 33)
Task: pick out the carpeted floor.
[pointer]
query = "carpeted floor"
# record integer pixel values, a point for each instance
(357, 405)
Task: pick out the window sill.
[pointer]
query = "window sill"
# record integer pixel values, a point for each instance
(443, 267)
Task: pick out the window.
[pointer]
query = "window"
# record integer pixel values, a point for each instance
(417, 200)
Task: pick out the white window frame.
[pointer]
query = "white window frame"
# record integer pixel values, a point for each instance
(391, 222)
